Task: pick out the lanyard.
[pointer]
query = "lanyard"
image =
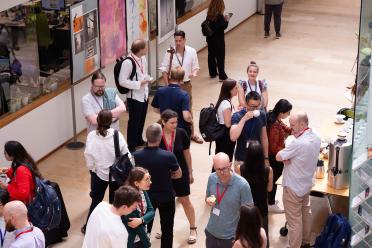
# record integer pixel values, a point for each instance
(95, 98)
(27, 231)
(2, 237)
(302, 132)
(255, 88)
(139, 65)
(183, 55)
(171, 144)
(220, 197)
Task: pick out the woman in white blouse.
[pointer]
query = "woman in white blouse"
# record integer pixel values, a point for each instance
(100, 155)
(225, 109)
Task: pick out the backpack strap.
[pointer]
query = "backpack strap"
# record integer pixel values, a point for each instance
(133, 73)
(116, 143)
(210, 147)
(260, 85)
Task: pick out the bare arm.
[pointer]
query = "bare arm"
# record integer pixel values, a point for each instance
(187, 155)
(227, 117)
(119, 110)
(187, 116)
(236, 129)
(92, 119)
(241, 96)
(270, 182)
(176, 174)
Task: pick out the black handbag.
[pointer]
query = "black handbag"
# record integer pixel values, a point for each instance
(120, 169)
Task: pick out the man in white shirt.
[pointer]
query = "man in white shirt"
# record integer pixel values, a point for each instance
(16, 221)
(105, 228)
(187, 58)
(300, 158)
(137, 97)
(100, 98)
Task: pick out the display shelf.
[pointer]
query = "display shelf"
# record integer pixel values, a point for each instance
(360, 236)
(361, 197)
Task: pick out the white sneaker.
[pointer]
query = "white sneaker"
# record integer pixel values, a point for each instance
(275, 209)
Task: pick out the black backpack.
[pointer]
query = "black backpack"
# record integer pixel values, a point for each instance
(117, 68)
(122, 165)
(210, 128)
(206, 29)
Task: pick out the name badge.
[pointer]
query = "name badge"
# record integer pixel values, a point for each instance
(216, 211)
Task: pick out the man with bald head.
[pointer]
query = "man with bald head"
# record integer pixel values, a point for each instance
(137, 97)
(300, 159)
(226, 192)
(26, 235)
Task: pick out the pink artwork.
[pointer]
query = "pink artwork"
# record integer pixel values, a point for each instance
(112, 30)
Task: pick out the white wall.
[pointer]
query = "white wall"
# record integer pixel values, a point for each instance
(50, 125)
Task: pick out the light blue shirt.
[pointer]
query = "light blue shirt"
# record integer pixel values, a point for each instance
(237, 194)
(33, 239)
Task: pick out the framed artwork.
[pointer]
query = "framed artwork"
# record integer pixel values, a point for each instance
(167, 19)
(112, 30)
(137, 20)
(153, 15)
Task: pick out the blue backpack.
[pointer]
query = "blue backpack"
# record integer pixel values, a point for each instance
(336, 233)
(44, 210)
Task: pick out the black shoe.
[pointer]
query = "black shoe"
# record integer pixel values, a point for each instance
(83, 229)
(214, 76)
(267, 34)
(278, 36)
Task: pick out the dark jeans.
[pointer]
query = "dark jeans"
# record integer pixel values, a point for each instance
(216, 59)
(213, 242)
(97, 191)
(277, 10)
(224, 144)
(166, 212)
(137, 115)
(277, 171)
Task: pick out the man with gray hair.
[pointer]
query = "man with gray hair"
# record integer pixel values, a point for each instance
(26, 235)
(163, 167)
(300, 158)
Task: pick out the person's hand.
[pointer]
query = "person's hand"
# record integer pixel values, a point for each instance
(227, 18)
(286, 162)
(134, 222)
(249, 115)
(3, 170)
(267, 162)
(211, 201)
(3, 185)
(191, 177)
(144, 82)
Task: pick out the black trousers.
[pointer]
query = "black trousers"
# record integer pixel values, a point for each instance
(97, 191)
(137, 116)
(216, 58)
(277, 171)
(166, 212)
(224, 144)
(269, 10)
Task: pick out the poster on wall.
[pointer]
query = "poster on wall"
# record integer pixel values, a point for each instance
(137, 20)
(152, 15)
(166, 19)
(112, 30)
(84, 39)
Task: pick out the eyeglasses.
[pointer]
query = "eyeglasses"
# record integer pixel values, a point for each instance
(99, 87)
(224, 169)
(253, 107)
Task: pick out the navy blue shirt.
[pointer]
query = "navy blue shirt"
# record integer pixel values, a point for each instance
(159, 163)
(174, 98)
(252, 130)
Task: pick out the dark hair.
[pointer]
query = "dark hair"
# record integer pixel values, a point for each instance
(253, 95)
(216, 8)
(168, 114)
(126, 195)
(253, 169)
(137, 46)
(253, 64)
(282, 106)
(20, 156)
(180, 33)
(225, 92)
(4, 197)
(98, 75)
(104, 120)
(248, 230)
(136, 175)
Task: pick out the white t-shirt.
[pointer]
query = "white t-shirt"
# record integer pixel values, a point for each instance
(6, 237)
(225, 104)
(105, 229)
(91, 107)
(302, 153)
(100, 152)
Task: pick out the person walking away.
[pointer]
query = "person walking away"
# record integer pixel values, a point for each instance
(273, 6)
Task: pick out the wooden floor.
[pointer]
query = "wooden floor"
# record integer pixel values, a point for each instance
(310, 66)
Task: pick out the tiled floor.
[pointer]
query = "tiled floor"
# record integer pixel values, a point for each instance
(310, 66)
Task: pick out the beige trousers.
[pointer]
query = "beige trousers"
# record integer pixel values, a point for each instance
(298, 215)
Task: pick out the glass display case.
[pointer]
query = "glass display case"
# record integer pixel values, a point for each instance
(360, 212)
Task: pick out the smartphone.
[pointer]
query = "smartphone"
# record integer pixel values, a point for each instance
(230, 14)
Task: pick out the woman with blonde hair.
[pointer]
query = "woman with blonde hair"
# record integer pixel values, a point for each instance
(216, 42)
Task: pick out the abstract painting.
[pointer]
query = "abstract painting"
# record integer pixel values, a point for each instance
(166, 19)
(112, 30)
(137, 20)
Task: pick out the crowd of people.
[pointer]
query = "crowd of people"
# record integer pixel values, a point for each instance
(250, 156)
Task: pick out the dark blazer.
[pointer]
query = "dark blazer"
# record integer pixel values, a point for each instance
(140, 230)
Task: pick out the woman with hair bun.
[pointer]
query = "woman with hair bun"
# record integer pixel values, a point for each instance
(99, 156)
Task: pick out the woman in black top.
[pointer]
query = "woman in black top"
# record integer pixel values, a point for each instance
(260, 179)
(216, 42)
(177, 141)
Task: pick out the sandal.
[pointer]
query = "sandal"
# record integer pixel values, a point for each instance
(197, 139)
(158, 235)
(192, 239)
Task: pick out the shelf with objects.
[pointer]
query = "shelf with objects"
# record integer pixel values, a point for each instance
(34, 57)
(361, 171)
